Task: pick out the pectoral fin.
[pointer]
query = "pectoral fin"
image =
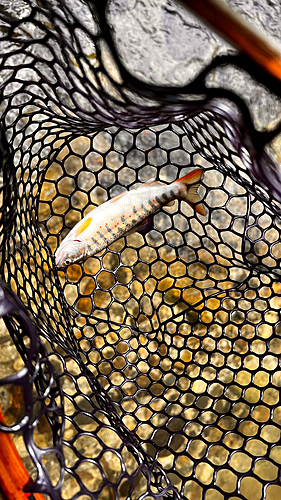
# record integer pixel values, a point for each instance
(143, 228)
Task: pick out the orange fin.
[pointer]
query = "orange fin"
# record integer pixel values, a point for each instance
(192, 194)
(83, 226)
(192, 197)
(192, 177)
(200, 209)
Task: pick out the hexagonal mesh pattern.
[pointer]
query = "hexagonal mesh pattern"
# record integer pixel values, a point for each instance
(165, 347)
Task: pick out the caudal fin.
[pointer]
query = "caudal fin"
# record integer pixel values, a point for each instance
(192, 197)
(189, 193)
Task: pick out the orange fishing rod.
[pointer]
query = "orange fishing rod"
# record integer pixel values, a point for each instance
(261, 48)
(13, 474)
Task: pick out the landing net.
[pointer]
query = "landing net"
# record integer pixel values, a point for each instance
(152, 367)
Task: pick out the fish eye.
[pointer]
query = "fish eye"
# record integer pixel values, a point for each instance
(68, 261)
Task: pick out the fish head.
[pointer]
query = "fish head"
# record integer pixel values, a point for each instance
(69, 252)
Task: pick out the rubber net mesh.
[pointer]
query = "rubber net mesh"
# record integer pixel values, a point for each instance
(153, 371)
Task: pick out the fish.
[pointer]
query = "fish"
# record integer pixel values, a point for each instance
(125, 214)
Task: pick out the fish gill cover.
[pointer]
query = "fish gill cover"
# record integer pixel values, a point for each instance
(153, 370)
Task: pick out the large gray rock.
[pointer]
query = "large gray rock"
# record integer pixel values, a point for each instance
(161, 42)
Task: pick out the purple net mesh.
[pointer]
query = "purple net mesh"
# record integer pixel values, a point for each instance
(151, 370)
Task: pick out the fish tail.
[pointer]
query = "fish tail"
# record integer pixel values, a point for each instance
(192, 197)
(189, 190)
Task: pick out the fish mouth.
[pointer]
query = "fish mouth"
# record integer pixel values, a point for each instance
(61, 254)
(59, 260)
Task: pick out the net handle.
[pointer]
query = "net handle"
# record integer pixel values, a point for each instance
(240, 33)
(14, 478)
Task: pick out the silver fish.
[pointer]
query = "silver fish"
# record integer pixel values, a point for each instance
(126, 213)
